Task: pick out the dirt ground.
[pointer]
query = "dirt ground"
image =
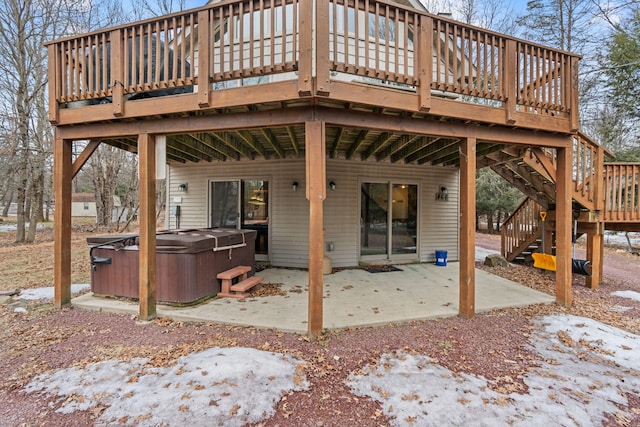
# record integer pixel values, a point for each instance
(47, 339)
(619, 265)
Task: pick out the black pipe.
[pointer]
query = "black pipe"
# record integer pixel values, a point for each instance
(581, 267)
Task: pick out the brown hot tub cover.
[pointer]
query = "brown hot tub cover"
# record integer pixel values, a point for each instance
(187, 262)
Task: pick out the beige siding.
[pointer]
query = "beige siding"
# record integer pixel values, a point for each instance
(78, 209)
(289, 219)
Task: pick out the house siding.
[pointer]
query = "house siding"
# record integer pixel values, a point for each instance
(289, 210)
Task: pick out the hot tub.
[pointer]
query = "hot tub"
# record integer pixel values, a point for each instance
(187, 262)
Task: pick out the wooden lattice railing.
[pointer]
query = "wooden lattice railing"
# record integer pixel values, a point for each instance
(621, 196)
(617, 197)
(588, 159)
(238, 42)
(520, 229)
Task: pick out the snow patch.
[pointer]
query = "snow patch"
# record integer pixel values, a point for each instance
(627, 294)
(47, 292)
(589, 368)
(218, 386)
(482, 253)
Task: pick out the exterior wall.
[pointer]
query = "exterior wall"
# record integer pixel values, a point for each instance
(289, 211)
(78, 210)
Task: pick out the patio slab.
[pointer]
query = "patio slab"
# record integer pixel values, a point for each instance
(351, 298)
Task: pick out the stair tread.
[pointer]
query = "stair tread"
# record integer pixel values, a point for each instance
(234, 272)
(246, 284)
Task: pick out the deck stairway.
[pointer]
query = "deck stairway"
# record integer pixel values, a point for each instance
(604, 194)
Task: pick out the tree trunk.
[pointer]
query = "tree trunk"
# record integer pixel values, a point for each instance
(20, 211)
(7, 206)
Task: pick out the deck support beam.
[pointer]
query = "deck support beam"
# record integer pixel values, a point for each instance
(467, 273)
(595, 255)
(62, 175)
(564, 181)
(147, 260)
(316, 187)
(85, 155)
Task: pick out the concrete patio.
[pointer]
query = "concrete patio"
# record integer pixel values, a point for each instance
(352, 298)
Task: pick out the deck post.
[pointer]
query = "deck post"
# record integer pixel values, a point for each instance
(204, 62)
(117, 71)
(425, 58)
(305, 61)
(54, 82)
(467, 227)
(508, 80)
(316, 188)
(147, 254)
(574, 118)
(62, 174)
(321, 48)
(595, 240)
(595, 255)
(564, 227)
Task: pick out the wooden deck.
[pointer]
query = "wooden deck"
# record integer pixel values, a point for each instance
(391, 60)
(362, 80)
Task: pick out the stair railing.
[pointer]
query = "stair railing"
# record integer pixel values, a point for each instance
(520, 228)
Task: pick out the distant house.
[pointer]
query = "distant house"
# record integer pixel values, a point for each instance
(83, 205)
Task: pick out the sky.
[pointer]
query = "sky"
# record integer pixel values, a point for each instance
(520, 5)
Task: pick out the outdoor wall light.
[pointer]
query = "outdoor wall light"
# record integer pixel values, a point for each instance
(442, 194)
(294, 185)
(332, 186)
(183, 187)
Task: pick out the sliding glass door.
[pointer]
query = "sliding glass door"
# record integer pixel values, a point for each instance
(388, 219)
(242, 204)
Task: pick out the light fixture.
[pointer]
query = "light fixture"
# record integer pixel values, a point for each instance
(294, 185)
(442, 194)
(332, 186)
(183, 187)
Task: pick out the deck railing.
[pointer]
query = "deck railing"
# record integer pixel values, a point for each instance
(621, 196)
(202, 50)
(588, 159)
(521, 228)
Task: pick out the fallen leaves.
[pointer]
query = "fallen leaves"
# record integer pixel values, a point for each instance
(267, 290)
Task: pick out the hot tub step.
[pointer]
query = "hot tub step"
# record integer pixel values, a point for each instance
(230, 290)
(245, 285)
(234, 272)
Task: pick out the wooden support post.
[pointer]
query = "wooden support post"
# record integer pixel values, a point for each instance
(467, 227)
(323, 61)
(425, 56)
(305, 61)
(564, 222)
(54, 81)
(574, 118)
(599, 191)
(316, 192)
(509, 70)
(204, 58)
(147, 194)
(595, 255)
(62, 151)
(117, 72)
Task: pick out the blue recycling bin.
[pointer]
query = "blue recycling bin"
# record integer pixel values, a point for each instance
(441, 258)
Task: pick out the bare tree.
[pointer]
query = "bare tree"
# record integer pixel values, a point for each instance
(496, 15)
(143, 9)
(25, 25)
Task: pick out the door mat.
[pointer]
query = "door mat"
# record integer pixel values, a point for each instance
(380, 268)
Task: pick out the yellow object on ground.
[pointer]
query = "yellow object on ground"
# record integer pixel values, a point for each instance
(542, 260)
